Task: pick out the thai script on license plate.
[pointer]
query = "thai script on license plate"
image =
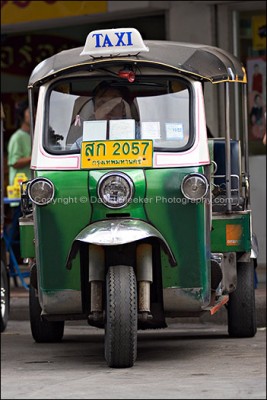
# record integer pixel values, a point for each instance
(117, 154)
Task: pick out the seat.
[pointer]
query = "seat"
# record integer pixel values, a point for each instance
(219, 158)
(217, 151)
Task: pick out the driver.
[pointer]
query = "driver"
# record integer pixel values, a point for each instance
(109, 102)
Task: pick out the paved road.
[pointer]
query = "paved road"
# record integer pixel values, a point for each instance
(188, 361)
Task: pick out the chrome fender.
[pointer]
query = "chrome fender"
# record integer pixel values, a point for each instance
(254, 246)
(114, 232)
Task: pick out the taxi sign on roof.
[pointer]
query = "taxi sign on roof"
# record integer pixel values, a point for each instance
(108, 42)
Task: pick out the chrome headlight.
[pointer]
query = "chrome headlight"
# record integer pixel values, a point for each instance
(115, 189)
(41, 191)
(194, 186)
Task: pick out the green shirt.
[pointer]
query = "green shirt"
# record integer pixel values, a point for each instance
(19, 146)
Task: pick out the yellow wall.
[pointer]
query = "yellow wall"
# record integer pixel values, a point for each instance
(13, 12)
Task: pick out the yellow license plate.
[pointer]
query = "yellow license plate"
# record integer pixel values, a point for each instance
(117, 154)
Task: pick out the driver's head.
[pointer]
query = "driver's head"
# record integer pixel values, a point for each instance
(110, 102)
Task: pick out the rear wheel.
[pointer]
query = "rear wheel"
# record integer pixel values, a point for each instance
(241, 307)
(5, 296)
(43, 331)
(121, 317)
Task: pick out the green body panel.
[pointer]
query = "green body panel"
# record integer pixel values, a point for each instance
(27, 248)
(231, 233)
(169, 274)
(157, 200)
(58, 224)
(135, 208)
(183, 224)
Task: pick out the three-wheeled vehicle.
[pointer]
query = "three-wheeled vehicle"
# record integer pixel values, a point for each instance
(5, 286)
(133, 214)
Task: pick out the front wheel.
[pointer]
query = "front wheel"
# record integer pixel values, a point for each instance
(121, 317)
(43, 331)
(5, 296)
(241, 307)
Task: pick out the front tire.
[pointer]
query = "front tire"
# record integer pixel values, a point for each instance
(43, 331)
(121, 317)
(5, 297)
(241, 307)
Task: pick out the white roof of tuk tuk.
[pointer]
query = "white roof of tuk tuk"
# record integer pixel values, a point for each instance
(203, 62)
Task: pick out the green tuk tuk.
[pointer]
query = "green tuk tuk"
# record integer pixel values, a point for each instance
(134, 215)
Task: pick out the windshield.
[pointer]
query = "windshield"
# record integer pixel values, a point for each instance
(85, 109)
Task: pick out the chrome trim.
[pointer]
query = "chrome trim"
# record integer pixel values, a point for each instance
(228, 161)
(114, 232)
(199, 175)
(32, 182)
(254, 246)
(115, 174)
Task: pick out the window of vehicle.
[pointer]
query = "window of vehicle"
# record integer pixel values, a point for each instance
(84, 109)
